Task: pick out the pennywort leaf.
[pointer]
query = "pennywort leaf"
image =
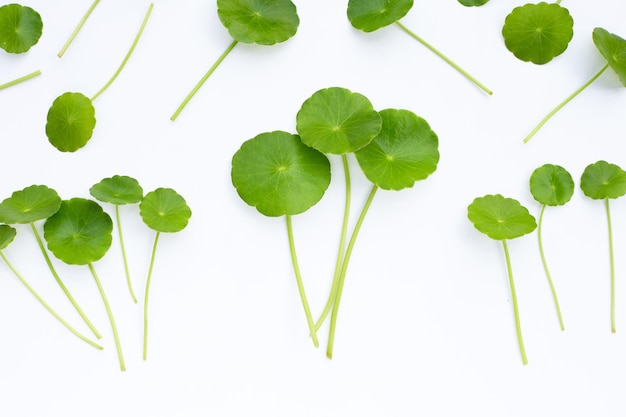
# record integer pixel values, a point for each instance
(71, 121)
(7, 234)
(33, 203)
(472, 3)
(20, 28)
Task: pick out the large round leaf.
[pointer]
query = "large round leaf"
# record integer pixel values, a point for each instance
(538, 32)
(603, 180)
(613, 49)
(164, 210)
(79, 233)
(264, 22)
(370, 15)
(335, 120)
(279, 175)
(404, 151)
(20, 28)
(118, 189)
(551, 185)
(71, 121)
(36, 202)
(7, 234)
(500, 218)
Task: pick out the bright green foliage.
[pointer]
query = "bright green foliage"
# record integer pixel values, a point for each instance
(20, 28)
(538, 32)
(264, 22)
(404, 151)
(613, 49)
(71, 121)
(602, 180)
(117, 190)
(370, 15)
(36, 202)
(335, 120)
(471, 3)
(500, 218)
(164, 210)
(279, 175)
(551, 185)
(7, 234)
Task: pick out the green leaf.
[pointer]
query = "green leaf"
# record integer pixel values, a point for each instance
(538, 32)
(471, 3)
(613, 49)
(20, 28)
(79, 233)
(405, 151)
(117, 190)
(36, 202)
(164, 210)
(264, 22)
(500, 218)
(71, 121)
(335, 120)
(370, 15)
(551, 185)
(279, 175)
(7, 234)
(603, 180)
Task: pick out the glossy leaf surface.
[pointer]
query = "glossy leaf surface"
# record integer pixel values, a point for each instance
(500, 218)
(603, 180)
(613, 49)
(71, 121)
(118, 189)
(551, 185)
(7, 234)
(370, 15)
(36, 202)
(20, 28)
(164, 210)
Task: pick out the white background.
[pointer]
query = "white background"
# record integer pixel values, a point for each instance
(426, 323)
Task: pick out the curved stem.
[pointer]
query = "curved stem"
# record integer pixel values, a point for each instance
(445, 58)
(111, 319)
(518, 326)
(78, 28)
(130, 51)
(19, 80)
(63, 287)
(344, 268)
(342, 243)
(47, 306)
(563, 103)
(612, 261)
(147, 294)
(202, 81)
(126, 269)
(296, 270)
(545, 267)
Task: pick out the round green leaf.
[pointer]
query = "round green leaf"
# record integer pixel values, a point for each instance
(20, 28)
(36, 202)
(500, 218)
(117, 190)
(279, 175)
(79, 233)
(335, 120)
(613, 49)
(471, 3)
(551, 185)
(164, 210)
(603, 180)
(404, 151)
(370, 15)
(264, 22)
(7, 234)
(71, 121)
(538, 32)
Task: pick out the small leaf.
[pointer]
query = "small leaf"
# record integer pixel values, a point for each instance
(405, 151)
(613, 49)
(117, 190)
(20, 28)
(603, 180)
(7, 234)
(164, 210)
(33, 203)
(370, 15)
(71, 121)
(279, 175)
(471, 3)
(551, 185)
(500, 218)
(538, 32)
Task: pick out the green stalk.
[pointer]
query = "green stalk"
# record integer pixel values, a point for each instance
(111, 319)
(78, 28)
(19, 80)
(563, 103)
(126, 269)
(518, 326)
(296, 270)
(202, 80)
(612, 261)
(545, 267)
(130, 51)
(147, 295)
(344, 269)
(47, 306)
(445, 58)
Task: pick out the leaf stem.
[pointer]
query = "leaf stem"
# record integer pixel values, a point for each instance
(296, 269)
(126, 269)
(130, 51)
(202, 80)
(146, 296)
(445, 58)
(78, 28)
(19, 80)
(47, 306)
(344, 268)
(518, 326)
(612, 262)
(545, 267)
(563, 103)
